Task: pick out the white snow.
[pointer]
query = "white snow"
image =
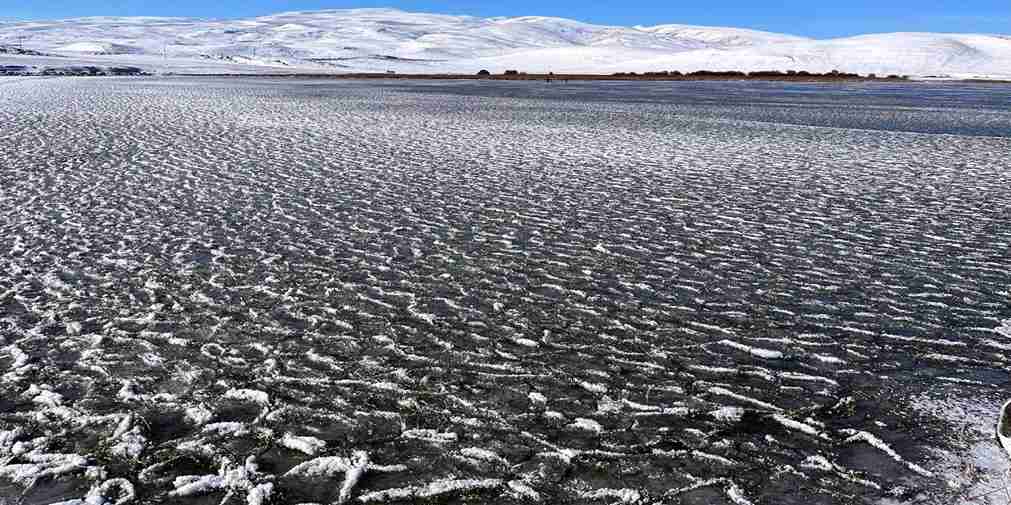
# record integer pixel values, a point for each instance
(377, 40)
(587, 425)
(260, 494)
(593, 388)
(199, 415)
(110, 492)
(131, 444)
(97, 48)
(874, 441)
(721, 391)
(521, 491)
(430, 435)
(483, 455)
(41, 466)
(306, 445)
(249, 395)
(728, 414)
(44, 397)
(243, 478)
(226, 428)
(920, 54)
(430, 490)
(754, 351)
(732, 490)
(799, 426)
(613, 495)
(359, 464)
(1005, 328)
(353, 469)
(322, 467)
(537, 398)
(829, 359)
(736, 495)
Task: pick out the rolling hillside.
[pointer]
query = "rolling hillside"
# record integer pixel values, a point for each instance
(392, 40)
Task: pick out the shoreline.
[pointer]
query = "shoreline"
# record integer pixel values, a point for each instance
(561, 77)
(599, 77)
(730, 76)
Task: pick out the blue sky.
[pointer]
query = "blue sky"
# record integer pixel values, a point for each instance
(802, 17)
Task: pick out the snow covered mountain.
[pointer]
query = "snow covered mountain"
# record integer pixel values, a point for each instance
(389, 39)
(361, 33)
(918, 54)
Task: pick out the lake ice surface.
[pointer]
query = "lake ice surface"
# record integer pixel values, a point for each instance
(310, 291)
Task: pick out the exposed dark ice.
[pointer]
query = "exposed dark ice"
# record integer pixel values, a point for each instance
(316, 291)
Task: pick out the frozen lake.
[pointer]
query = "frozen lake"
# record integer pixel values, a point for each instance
(314, 291)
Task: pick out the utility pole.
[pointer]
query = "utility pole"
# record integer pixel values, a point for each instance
(21, 42)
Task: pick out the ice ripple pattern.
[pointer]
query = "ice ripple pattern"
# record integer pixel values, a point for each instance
(287, 292)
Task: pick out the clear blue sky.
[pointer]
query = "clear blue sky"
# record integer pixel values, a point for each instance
(825, 18)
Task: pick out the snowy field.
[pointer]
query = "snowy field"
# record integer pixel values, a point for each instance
(380, 40)
(295, 291)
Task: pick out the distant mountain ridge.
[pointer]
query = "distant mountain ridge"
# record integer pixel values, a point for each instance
(390, 39)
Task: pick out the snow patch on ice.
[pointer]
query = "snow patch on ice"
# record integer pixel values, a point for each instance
(587, 425)
(437, 488)
(304, 444)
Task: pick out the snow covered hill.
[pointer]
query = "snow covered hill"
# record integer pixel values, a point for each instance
(389, 39)
(918, 54)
